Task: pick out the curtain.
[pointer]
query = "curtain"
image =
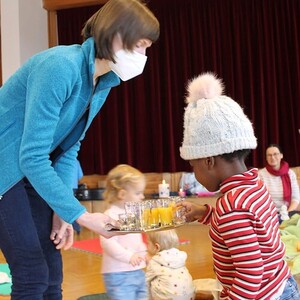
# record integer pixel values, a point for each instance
(252, 45)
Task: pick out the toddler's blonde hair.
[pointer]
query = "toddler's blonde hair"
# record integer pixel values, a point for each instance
(167, 239)
(119, 178)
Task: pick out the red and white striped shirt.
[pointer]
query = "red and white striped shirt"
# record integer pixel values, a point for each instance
(247, 250)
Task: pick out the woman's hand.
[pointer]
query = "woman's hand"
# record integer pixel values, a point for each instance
(62, 233)
(96, 223)
(191, 211)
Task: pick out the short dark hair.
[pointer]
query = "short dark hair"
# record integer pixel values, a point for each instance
(129, 18)
(239, 154)
(276, 146)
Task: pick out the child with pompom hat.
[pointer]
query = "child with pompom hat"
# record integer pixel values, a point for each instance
(247, 251)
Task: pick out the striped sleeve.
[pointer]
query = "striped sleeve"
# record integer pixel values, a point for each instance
(246, 243)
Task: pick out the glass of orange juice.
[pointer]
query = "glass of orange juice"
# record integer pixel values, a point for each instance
(150, 216)
(145, 214)
(153, 214)
(165, 212)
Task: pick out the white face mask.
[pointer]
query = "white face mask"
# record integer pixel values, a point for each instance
(128, 64)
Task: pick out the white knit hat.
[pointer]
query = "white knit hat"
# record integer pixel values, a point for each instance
(214, 124)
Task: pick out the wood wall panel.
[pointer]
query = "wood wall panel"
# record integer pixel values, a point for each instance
(52, 28)
(53, 5)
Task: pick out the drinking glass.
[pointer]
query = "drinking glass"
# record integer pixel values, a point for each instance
(165, 211)
(150, 215)
(178, 211)
(127, 221)
(136, 210)
(154, 214)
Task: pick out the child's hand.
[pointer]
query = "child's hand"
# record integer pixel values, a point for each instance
(136, 259)
(192, 212)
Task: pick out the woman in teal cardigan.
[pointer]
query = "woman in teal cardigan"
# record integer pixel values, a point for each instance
(45, 109)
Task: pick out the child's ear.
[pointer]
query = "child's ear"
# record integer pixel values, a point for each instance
(122, 194)
(210, 162)
(157, 246)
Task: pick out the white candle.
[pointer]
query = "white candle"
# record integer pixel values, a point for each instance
(164, 189)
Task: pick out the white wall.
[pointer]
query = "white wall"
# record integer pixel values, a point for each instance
(24, 32)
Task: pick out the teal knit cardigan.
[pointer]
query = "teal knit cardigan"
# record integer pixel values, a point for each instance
(40, 105)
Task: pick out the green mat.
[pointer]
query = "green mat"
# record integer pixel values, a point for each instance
(95, 297)
(290, 235)
(5, 288)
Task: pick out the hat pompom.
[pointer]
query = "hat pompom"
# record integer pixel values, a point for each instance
(205, 86)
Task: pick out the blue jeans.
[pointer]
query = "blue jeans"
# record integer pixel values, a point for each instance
(291, 291)
(25, 225)
(126, 285)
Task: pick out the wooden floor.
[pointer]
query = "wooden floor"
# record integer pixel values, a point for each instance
(82, 270)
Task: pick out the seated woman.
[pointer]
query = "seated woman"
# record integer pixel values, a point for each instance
(280, 180)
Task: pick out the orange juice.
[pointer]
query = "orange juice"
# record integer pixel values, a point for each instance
(166, 215)
(154, 217)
